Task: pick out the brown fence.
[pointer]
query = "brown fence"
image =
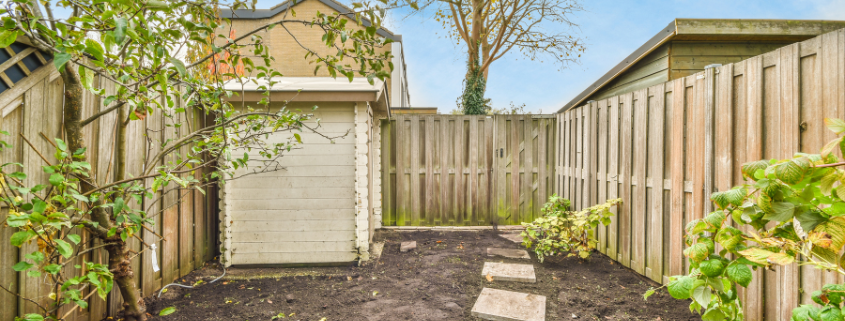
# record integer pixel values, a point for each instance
(466, 170)
(664, 149)
(186, 223)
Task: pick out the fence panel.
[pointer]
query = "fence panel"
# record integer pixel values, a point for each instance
(467, 170)
(665, 149)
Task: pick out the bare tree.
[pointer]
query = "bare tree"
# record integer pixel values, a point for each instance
(492, 28)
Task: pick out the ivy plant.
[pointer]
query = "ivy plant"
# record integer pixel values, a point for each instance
(561, 231)
(789, 211)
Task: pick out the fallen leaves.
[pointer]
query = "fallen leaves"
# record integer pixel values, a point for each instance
(489, 277)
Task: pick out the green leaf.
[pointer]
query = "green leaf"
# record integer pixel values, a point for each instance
(74, 238)
(830, 313)
(53, 268)
(21, 237)
(22, 266)
(56, 179)
(835, 293)
(809, 219)
(33, 317)
(94, 48)
(698, 252)
(713, 314)
(648, 293)
(835, 228)
(298, 138)
(748, 169)
(120, 30)
(61, 144)
(739, 273)
(167, 311)
(18, 175)
(64, 248)
(119, 204)
(835, 124)
(680, 288)
(805, 312)
(60, 60)
(712, 267)
(781, 212)
(180, 66)
(7, 37)
(702, 295)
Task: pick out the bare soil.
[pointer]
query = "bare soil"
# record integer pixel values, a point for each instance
(438, 281)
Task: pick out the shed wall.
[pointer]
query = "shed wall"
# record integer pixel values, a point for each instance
(307, 212)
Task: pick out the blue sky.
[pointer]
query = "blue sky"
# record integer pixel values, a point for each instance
(612, 29)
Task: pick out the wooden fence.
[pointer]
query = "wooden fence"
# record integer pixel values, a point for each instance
(466, 170)
(664, 149)
(187, 222)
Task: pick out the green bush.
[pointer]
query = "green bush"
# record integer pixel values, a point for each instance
(563, 231)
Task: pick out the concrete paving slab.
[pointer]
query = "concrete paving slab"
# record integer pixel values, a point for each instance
(376, 249)
(509, 272)
(500, 305)
(408, 246)
(511, 253)
(513, 237)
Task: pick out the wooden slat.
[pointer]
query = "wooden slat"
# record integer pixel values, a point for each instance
(676, 218)
(472, 202)
(527, 193)
(639, 193)
(16, 58)
(414, 197)
(613, 177)
(625, 159)
(753, 302)
(654, 246)
(601, 169)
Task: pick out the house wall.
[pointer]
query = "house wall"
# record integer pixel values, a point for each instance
(690, 57)
(285, 47)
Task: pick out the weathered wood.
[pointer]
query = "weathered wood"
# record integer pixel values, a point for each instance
(754, 83)
(654, 244)
(676, 218)
(640, 192)
(625, 164)
(613, 176)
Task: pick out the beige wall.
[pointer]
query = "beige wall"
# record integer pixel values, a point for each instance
(289, 55)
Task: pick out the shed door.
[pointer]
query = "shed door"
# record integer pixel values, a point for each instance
(304, 213)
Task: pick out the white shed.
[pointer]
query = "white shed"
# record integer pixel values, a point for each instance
(320, 208)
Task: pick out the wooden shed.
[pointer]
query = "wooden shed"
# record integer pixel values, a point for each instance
(319, 208)
(686, 46)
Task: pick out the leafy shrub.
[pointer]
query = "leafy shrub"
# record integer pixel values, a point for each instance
(561, 230)
(790, 211)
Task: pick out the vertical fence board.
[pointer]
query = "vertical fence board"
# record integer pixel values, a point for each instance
(613, 177)
(676, 218)
(601, 169)
(625, 164)
(654, 245)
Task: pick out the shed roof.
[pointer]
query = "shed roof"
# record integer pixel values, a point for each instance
(312, 89)
(713, 30)
(267, 13)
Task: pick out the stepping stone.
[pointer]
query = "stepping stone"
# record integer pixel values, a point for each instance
(513, 237)
(407, 246)
(511, 253)
(509, 272)
(500, 305)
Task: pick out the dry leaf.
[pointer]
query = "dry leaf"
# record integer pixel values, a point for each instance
(489, 277)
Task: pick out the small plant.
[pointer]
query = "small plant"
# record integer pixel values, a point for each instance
(791, 211)
(561, 230)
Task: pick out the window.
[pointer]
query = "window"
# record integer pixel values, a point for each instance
(18, 61)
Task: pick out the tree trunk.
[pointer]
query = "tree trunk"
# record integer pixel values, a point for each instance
(118, 260)
(134, 308)
(474, 87)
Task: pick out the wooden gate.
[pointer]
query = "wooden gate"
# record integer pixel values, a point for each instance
(452, 170)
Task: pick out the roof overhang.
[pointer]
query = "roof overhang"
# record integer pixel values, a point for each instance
(714, 30)
(279, 8)
(311, 89)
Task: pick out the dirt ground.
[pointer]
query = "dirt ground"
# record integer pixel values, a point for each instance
(438, 281)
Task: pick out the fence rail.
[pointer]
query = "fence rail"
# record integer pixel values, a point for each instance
(187, 222)
(664, 149)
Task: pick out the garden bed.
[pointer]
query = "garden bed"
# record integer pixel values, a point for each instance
(439, 281)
